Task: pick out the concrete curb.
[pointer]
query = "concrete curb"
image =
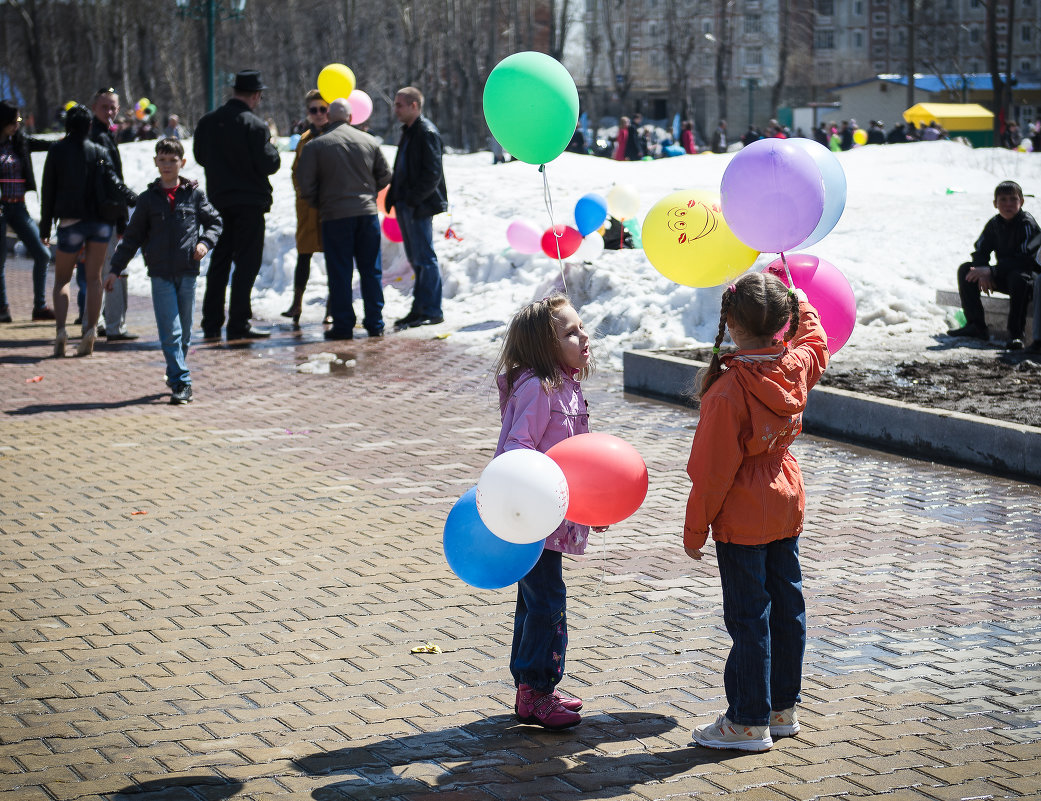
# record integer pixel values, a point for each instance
(950, 437)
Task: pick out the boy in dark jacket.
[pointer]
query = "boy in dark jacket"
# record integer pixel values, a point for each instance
(1008, 235)
(165, 226)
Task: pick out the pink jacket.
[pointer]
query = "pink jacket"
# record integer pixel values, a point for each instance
(536, 419)
(747, 485)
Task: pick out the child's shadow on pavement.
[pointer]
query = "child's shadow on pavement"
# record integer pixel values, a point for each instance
(497, 753)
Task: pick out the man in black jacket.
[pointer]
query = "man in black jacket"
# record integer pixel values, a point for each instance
(105, 108)
(418, 192)
(234, 147)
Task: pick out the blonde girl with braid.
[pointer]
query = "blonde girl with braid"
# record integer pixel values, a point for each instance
(748, 490)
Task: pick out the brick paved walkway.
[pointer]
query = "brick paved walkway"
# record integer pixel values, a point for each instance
(219, 600)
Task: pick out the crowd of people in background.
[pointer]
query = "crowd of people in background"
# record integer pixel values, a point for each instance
(632, 140)
(339, 172)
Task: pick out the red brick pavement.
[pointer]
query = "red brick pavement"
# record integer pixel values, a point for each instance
(220, 600)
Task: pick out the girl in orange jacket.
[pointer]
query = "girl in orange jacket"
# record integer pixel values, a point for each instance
(747, 488)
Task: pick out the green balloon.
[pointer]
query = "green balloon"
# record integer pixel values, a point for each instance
(531, 106)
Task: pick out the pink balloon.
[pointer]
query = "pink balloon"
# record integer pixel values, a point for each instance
(524, 237)
(391, 229)
(828, 292)
(561, 241)
(361, 106)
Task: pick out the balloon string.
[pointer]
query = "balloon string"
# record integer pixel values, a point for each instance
(547, 197)
(784, 261)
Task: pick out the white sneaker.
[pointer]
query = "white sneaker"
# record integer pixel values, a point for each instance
(784, 723)
(724, 733)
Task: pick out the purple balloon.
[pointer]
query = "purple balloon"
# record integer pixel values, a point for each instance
(772, 195)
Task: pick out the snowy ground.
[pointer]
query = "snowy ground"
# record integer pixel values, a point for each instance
(912, 214)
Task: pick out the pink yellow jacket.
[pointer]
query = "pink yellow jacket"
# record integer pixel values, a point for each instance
(536, 419)
(747, 487)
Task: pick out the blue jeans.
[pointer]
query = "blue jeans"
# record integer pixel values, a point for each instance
(765, 614)
(17, 216)
(348, 241)
(174, 302)
(540, 625)
(417, 234)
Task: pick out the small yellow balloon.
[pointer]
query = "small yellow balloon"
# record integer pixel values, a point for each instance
(335, 81)
(860, 136)
(687, 240)
(69, 105)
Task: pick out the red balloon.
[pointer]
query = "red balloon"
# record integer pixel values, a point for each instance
(606, 478)
(391, 229)
(564, 237)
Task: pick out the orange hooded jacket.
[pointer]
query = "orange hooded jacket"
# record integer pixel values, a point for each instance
(747, 486)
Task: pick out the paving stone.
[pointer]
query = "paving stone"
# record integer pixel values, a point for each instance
(223, 596)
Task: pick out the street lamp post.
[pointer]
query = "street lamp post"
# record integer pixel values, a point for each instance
(212, 11)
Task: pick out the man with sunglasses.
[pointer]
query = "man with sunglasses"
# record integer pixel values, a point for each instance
(105, 108)
(234, 147)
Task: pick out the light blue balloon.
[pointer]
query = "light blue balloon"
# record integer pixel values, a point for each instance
(477, 556)
(590, 213)
(834, 189)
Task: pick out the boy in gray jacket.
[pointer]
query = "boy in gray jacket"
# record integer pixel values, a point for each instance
(165, 226)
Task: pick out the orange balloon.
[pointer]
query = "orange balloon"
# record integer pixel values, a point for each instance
(606, 478)
(381, 203)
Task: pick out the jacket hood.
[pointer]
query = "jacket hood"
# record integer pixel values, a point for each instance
(771, 376)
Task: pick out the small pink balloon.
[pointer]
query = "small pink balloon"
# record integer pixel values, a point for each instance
(361, 106)
(826, 289)
(524, 237)
(391, 229)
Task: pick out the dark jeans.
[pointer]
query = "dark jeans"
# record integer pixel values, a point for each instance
(765, 614)
(241, 242)
(417, 234)
(1016, 283)
(540, 625)
(348, 241)
(17, 216)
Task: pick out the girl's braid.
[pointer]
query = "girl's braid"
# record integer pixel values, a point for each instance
(713, 371)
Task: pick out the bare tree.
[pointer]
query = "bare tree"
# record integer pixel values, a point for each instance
(681, 45)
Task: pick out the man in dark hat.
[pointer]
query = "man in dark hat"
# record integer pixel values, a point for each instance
(234, 147)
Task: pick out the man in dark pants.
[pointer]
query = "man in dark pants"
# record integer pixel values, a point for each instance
(340, 173)
(234, 146)
(418, 192)
(105, 108)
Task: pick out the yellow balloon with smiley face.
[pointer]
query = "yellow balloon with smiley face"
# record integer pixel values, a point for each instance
(687, 240)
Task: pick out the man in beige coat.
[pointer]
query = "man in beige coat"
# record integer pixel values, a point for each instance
(340, 174)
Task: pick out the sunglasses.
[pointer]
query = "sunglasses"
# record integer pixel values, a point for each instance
(107, 91)
(317, 109)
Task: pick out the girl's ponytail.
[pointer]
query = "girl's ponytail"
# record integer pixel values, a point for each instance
(709, 375)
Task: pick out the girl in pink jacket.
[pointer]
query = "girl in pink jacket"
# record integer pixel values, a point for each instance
(545, 354)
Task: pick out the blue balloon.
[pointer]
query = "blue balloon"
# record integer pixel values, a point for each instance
(834, 189)
(477, 556)
(590, 213)
(294, 140)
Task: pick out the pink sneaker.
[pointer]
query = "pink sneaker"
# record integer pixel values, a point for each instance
(545, 709)
(569, 703)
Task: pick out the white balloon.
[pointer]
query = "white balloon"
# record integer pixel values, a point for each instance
(591, 249)
(623, 201)
(522, 496)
